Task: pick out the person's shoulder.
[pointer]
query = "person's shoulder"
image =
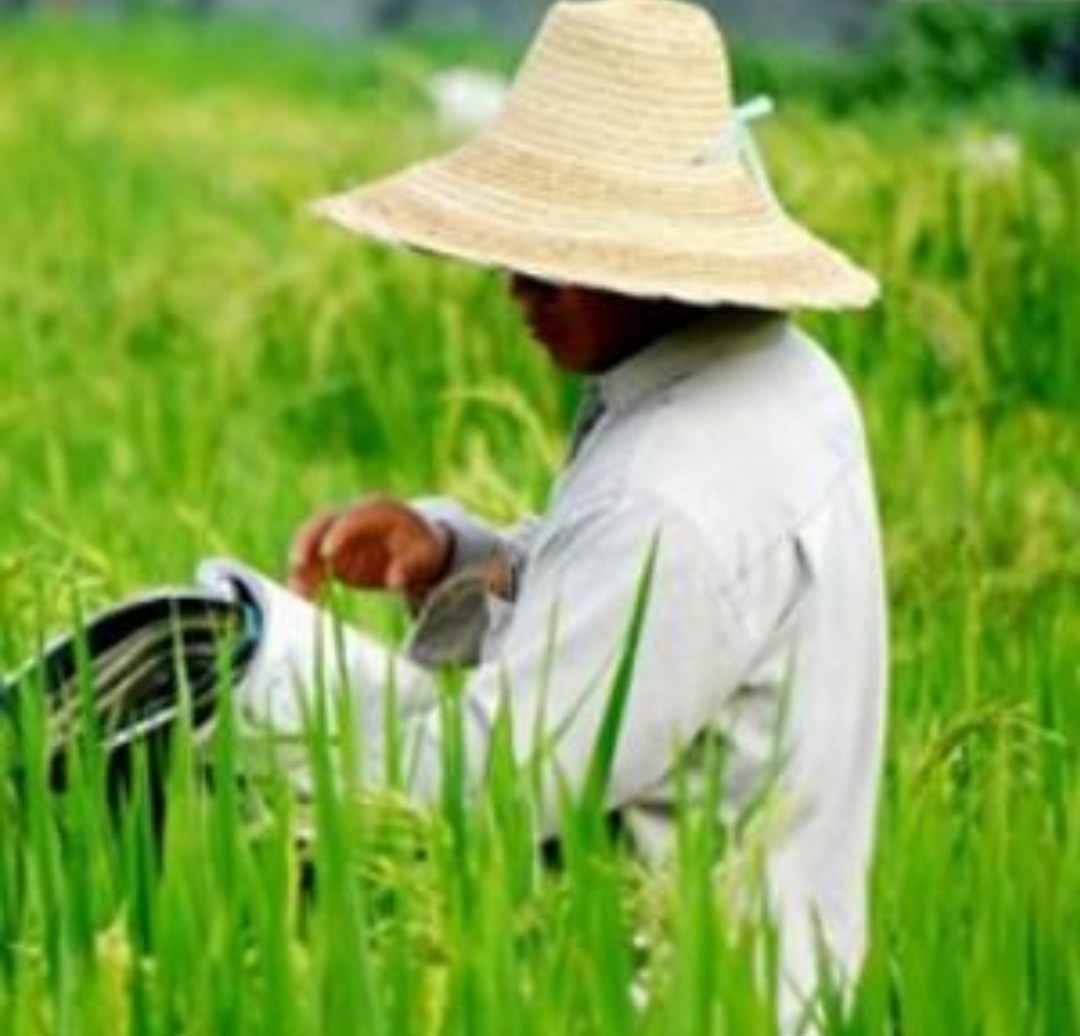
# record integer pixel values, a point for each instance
(820, 380)
(750, 444)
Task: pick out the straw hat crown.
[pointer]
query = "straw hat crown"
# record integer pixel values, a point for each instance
(603, 170)
(623, 82)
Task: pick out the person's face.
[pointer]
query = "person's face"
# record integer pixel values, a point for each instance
(584, 330)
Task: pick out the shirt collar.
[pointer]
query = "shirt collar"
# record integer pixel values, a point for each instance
(685, 351)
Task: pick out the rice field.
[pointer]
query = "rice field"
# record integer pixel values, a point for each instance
(190, 364)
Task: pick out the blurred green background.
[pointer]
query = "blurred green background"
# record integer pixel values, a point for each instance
(190, 363)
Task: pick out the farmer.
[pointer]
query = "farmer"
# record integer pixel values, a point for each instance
(619, 190)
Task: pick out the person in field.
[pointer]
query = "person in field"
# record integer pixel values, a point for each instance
(619, 190)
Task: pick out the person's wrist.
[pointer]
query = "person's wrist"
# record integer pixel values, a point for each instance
(444, 535)
(448, 544)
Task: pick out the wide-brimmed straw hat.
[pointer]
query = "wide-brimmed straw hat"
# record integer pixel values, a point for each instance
(619, 162)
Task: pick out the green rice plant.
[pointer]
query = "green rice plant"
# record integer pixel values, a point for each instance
(189, 365)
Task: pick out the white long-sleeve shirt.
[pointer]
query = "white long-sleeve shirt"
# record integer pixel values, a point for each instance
(742, 450)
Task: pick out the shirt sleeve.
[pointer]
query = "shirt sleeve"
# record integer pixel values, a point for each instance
(554, 668)
(475, 540)
(456, 619)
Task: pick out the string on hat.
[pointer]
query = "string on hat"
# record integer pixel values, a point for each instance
(736, 139)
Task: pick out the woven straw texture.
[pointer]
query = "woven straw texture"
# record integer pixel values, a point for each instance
(597, 172)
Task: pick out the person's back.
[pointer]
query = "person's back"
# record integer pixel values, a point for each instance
(750, 439)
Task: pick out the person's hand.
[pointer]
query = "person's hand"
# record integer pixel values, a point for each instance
(375, 544)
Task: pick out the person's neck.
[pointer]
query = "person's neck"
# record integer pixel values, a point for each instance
(663, 319)
(650, 324)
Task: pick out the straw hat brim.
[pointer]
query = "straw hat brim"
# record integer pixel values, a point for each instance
(705, 235)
